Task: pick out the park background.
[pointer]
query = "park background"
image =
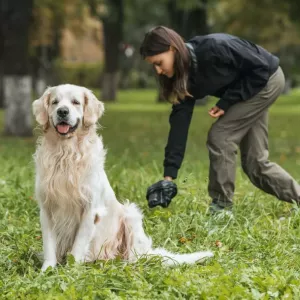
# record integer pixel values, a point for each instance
(95, 43)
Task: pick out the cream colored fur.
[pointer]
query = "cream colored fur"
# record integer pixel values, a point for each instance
(79, 211)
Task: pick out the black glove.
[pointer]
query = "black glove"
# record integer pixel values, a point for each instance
(161, 193)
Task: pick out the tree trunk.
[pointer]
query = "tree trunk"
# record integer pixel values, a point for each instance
(113, 35)
(189, 23)
(1, 53)
(160, 98)
(109, 86)
(17, 81)
(41, 73)
(40, 86)
(1, 85)
(287, 86)
(17, 94)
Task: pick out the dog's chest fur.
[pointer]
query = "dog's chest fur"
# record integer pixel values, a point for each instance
(63, 172)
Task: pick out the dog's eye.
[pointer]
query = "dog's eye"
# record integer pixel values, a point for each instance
(75, 102)
(54, 102)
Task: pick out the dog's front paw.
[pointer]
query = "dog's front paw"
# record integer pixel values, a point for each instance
(78, 258)
(47, 264)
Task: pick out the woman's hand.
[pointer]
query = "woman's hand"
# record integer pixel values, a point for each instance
(216, 112)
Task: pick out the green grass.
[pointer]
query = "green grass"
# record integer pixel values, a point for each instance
(259, 253)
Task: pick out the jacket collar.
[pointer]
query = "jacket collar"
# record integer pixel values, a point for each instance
(194, 63)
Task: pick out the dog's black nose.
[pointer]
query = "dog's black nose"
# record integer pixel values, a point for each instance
(63, 111)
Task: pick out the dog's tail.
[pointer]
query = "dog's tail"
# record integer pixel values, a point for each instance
(142, 244)
(171, 259)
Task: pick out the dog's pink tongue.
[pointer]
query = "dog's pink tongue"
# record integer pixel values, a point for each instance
(63, 128)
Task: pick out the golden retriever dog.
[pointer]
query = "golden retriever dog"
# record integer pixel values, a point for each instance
(79, 212)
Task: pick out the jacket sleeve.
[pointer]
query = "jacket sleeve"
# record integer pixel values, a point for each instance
(253, 67)
(180, 119)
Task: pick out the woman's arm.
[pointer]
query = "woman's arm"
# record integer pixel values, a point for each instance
(180, 119)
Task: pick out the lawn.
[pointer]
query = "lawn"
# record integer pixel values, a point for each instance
(257, 251)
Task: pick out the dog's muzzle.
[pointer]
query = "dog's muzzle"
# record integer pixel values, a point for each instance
(64, 128)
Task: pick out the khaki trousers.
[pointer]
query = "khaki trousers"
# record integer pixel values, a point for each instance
(245, 125)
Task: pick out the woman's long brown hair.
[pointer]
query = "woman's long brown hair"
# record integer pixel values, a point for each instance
(159, 40)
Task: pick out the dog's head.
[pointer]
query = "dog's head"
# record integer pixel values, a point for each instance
(67, 108)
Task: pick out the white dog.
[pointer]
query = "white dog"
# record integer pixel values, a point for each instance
(79, 211)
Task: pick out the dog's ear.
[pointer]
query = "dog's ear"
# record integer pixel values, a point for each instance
(40, 107)
(93, 108)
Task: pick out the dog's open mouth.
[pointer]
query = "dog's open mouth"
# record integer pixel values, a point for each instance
(64, 128)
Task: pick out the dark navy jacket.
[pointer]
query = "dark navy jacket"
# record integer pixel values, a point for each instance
(227, 67)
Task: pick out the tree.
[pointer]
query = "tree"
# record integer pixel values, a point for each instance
(15, 21)
(113, 21)
(1, 72)
(50, 18)
(189, 18)
(45, 34)
(111, 13)
(276, 30)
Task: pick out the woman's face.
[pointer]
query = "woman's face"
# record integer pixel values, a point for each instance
(163, 62)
